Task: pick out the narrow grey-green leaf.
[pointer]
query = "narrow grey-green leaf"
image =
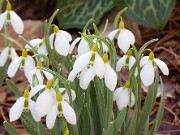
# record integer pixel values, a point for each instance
(79, 105)
(2, 74)
(150, 13)
(10, 129)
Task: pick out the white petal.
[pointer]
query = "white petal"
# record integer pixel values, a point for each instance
(121, 63)
(73, 44)
(16, 22)
(116, 93)
(144, 60)
(110, 77)
(13, 67)
(132, 60)
(51, 117)
(72, 76)
(62, 45)
(13, 54)
(2, 18)
(29, 65)
(112, 34)
(99, 66)
(123, 41)
(17, 109)
(162, 66)
(4, 56)
(44, 103)
(48, 75)
(83, 47)
(147, 74)
(132, 100)
(34, 113)
(51, 40)
(68, 113)
(82, 84)
(36, 89)
(81, 62)
(89, 76)
(65, 34)
(42, 49)
(105, 48)
(66, 97)
(39, 76)
(131, 37)
(34, 43)
(123, 99)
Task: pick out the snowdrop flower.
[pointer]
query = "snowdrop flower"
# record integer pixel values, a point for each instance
(37, 74)
(60, 39)
(25, 62)
(10, 16)
(39, 44)
(90, 59)
(23, 103)
(60, 108)
(126, 61)
(148, 64)
(124, 96)
(125, 37)
(8, 52)
(45, 100)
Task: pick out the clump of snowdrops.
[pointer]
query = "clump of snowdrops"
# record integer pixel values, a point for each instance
(91, 98)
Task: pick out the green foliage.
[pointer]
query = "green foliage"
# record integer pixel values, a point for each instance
(75, 14)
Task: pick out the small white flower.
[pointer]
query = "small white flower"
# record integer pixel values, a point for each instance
(125, 37)
(60, 39)
(123, 97)
(23, 103)
(10, 16)
(8, 52)
(60, 108)
(39, 44)
(25, 62)
(148, 68)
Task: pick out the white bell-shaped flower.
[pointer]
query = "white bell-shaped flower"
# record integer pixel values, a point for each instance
(39, 44)
(37, 73)
(125, 37)
(60, 108)
(124, 96)
(90, 58)
(23, 103)
(25, 62)
(8, 52)
(148, 64)
(11, 17)
(60, 39)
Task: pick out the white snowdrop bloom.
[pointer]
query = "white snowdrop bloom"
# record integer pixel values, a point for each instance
(23, 103)
(8, 52)
(60, 108)
(60, 39)
(87, 61)
(11, 17)
(83, 47)
(125, 37)
(148, 64)
(37, 73)
(124, 96)
(66, 96)
(25, 62)
(45, 100)
(110, 76)
(39, 44)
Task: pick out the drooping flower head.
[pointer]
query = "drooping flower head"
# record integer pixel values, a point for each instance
(24, 103)
(124, 96)
(11, 17)
(148, 64)
(8, 52)
(125, 37)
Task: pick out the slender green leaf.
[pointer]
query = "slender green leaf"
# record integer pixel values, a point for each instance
(2, 74)
(13, 88)
(52, 18)
(10, 129)
(79, 106)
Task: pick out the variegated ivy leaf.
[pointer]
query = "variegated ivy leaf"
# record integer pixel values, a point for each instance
(150, 13)
(75, 14)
